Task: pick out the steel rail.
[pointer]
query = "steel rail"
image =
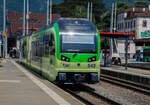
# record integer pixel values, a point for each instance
(127, 84)
(90, 91)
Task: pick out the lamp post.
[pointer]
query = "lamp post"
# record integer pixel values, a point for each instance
(50, 11)
(24, 13)
(88, 10)
(27, 17)
(91, 11)
(47, 21)
(4, 30)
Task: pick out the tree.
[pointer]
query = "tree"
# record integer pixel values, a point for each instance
(80, 12)
(122, 6)
(105, 26)
(107, 15)
(141, 3)
(78, 8)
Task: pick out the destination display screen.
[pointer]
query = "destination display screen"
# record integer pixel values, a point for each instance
(78, 27)
(82, 39)
(78, 43)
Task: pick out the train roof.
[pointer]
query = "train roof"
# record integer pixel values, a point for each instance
(81, 25)
(74, 21)
(64, 22)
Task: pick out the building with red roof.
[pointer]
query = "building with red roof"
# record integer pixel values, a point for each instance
(15, 24)
(36, 20)
(134, 20)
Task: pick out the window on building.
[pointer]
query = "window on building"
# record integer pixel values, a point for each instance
(125, 24)
(133, 31)
(134, 24)
(118, 18)
(128, 24)
(144, 23)
(122, 25)
(118, 26)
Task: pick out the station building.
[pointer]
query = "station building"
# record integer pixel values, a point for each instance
(133, 20)
(15, 24)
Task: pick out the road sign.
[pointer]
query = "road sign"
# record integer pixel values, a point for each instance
(4, 35)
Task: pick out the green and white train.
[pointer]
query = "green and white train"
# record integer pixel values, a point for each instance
(66, 52)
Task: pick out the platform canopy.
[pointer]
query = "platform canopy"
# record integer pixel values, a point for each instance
(116, 35)
(142, 42)
(125, 36)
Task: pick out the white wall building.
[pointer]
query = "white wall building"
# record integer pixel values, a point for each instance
(133, 20)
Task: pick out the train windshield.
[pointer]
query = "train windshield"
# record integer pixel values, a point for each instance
(77, 36)
(78, 43)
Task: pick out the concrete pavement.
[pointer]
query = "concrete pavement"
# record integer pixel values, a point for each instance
(20, 87)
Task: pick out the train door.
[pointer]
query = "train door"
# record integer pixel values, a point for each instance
(52, 48)
(52, 56)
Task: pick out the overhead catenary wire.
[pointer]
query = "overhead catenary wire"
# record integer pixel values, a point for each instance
(50, 12)
(47, 20)
(27, 17)
(88, 10)
(91, 11)
(24, 20)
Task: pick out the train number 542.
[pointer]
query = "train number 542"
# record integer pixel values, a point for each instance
(91, 65)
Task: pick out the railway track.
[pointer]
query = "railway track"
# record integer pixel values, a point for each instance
(84, 94)
(144, 89)
(88, 96)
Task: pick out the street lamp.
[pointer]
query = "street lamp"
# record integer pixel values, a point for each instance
(27, 16)
(24, 13)
(4, 30)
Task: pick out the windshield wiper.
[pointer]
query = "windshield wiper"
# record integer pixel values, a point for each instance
(74, 55)
(92, 51)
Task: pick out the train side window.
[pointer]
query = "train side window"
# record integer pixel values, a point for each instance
(36, 51)
(24, 49)
(50, 41)
(52, 44)
(47, 45)
(32, 50)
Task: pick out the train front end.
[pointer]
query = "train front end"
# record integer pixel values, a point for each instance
(78, 54)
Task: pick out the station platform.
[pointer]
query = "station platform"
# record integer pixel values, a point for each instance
(142, 65)
(137, 75)
(19, 86)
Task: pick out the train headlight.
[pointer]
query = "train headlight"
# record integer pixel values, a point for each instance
(92, 59)
(63, 58)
